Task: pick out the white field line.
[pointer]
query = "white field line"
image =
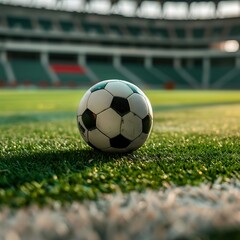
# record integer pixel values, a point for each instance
(175, 213)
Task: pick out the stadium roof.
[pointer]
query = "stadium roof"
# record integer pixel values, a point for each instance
(167, 9)
(163, 1)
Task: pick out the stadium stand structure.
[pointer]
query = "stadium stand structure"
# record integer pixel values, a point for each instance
(180, 53)
(29, 72)
(71, 75)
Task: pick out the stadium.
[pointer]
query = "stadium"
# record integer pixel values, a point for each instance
(71, 49)
(184, 183)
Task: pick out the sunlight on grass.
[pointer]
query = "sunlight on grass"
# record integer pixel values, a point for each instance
(43, 159)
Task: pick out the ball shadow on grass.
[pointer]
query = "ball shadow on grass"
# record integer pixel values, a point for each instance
(19, 169)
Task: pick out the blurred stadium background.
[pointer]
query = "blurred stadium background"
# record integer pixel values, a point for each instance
(154, 44)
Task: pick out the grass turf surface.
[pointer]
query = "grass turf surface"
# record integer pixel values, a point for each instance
(195, 139)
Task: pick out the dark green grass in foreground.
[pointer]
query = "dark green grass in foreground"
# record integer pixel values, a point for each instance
(195, 139)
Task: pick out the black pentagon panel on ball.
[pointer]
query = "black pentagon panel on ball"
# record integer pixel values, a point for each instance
(120, 105)
(89, 119)
(98, 86)
(146, 124)
(119, 142)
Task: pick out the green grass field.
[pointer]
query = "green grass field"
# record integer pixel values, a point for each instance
(195, 139)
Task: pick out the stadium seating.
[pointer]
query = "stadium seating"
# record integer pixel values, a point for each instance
(172, 76)
(73, 80)
(114, 29)
(198, 32)
(67, 26)
(134, 30)
(216, 73)
(234, 83)
(70, 75)
(20, 26)
(19, 22)
(106, 71)
(143, 73)
(3, 76)
(92, 27)
(180, 32)
(235, 31)
(45, 24)
(30, 72)
(217, 32)
(196, 72)
(159, 32)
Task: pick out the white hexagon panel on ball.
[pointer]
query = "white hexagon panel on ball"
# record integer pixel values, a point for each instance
(109, 123)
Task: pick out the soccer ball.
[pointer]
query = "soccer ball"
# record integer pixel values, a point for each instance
(115, 116)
